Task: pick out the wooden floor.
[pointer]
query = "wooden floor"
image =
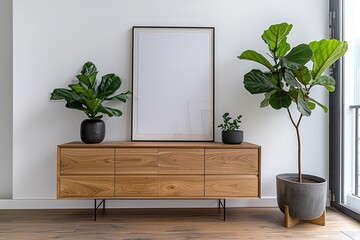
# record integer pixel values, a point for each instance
(131, 224)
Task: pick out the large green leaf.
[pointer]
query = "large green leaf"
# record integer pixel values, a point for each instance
(256, 57)
(92, 104)
(109, 111)
(297, 57)
(302, 107)
(79, 89)
(85, 80)
(266, 101)
(327, 82)
(282, 49)
(88, 69)
(326, 52)
(64, 94)
(92, 79)
(256, 81)
(75, 105)
(276, 37)
(108, 85)
(123, 97)
(319, 104)
(294, 92)
(280, 100)
(274, 76)
(311, 105)
(290, 79)
(315, 44)
(302, 74)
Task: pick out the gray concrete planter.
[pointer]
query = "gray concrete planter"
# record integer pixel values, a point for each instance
(306, 201)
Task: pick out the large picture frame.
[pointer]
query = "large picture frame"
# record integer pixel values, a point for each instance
(173, 84)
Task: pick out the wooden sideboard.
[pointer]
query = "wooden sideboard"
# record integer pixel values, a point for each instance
(149, 170)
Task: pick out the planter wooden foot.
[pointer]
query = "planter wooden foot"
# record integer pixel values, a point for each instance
(319, 221)
(290, 221)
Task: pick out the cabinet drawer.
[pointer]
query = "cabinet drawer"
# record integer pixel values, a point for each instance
(86, 186)
(87, 161)
(181, 161)
(231, 186)
(136, 160)
(231, 161)
(181, 186)
(136, 186)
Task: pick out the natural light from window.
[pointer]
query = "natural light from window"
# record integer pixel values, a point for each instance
(351, 187)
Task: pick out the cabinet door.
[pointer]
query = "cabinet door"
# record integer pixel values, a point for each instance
(231, 161)
(136, 161)
(99, 161)
(181, 161)
(136, 186)
(181, 186)
(86, 186)
(231, 186)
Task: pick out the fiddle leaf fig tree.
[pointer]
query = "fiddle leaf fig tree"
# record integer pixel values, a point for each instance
(88, 96)
(287, 79)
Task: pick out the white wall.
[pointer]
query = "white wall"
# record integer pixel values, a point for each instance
(6, 99)
(52, 39)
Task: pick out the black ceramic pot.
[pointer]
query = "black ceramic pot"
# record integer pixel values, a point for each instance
(92, 131)
(232, 137)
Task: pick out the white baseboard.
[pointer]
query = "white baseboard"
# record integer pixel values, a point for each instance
(76, 204)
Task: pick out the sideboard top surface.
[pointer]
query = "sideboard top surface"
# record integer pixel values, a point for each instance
(118, 144)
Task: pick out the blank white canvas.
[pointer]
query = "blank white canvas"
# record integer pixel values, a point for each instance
(173, 89)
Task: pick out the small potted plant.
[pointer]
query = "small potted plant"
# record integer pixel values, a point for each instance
(230, 130)
(88, 96)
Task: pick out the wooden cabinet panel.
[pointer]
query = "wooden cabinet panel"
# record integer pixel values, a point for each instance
(231, 161)
(136, 186)
(181, 161)
(181, 186)
(87, 161)
(86, 186)
(158, 170)
(231, 186)
(136, 161)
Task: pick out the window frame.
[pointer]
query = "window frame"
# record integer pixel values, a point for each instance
(336, 118)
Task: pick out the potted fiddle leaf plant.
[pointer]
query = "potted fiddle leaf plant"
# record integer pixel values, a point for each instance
(288, 81)
(230, 130)
(88, 96)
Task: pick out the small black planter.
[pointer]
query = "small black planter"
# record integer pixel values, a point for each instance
(232, 137)
(92, 131)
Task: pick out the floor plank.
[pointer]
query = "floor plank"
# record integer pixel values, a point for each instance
(142, 224)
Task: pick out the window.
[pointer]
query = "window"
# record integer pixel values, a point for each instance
(351, 103)
(345, 110)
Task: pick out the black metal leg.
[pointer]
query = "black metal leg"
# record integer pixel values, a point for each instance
(224, 210)
(104, 207)
(222, 204)
(97, 206)
(95, 210)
